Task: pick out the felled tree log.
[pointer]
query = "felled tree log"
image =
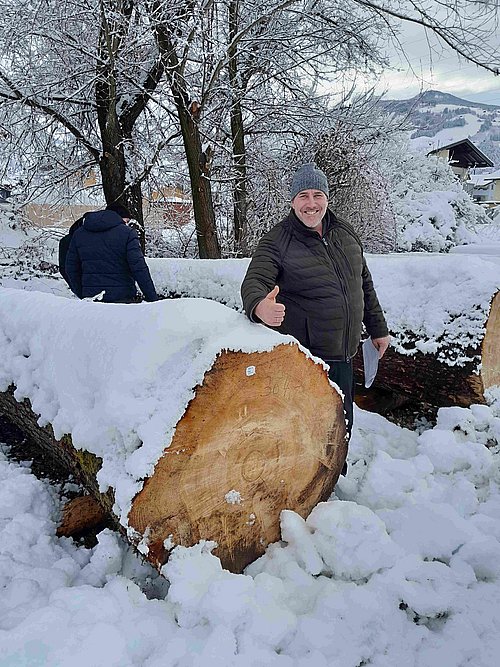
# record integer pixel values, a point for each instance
(264, 432)
(425, 377)
(80, 515)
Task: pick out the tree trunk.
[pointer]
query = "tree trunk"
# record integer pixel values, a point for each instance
(198, 162)
(115, 134)
(198, 159)
(115, 186)
(240, 203)
(264, 432)
(424, 377)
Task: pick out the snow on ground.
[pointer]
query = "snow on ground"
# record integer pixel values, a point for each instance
(489, 249)
(401, 567)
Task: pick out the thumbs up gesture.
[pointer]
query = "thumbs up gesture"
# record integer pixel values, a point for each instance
(270, 312)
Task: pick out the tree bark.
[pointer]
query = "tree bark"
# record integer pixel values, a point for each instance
(116, 127)
(198, 162)
(265, 432)
(240, 203)
(424, 377)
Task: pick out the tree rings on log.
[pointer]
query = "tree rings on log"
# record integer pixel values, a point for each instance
(80, 515)
(265, 432)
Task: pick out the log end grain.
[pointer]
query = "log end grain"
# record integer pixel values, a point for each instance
(80, 515)
(490, 361)
(265, 432)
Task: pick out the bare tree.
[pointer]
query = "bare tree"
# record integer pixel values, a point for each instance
(243, 84)
(80, 78)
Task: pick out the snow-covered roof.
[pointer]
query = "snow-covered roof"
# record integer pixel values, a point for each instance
(493, 176)
(479, 180)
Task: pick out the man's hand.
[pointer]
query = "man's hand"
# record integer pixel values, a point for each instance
(381, 344)
(270, 312)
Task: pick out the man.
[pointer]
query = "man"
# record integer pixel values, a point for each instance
(105, 256)
(308, 278)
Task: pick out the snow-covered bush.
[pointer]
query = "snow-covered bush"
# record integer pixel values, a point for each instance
(358, 189)
(433, 212)
(25, 250)
(174, 241)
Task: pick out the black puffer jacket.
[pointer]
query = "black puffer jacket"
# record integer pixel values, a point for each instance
(324, 284)
(105, 254)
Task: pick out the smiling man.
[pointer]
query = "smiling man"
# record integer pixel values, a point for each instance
(308, 278)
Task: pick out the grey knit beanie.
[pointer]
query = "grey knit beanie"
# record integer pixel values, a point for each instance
(308, 177)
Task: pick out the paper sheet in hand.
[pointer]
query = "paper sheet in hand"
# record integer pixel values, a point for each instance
(370, 361)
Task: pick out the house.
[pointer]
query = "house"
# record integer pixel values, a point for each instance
(494, 182)
(485, 188)
(169, 206)
(462, 156)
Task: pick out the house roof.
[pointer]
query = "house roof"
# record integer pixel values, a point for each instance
(479, 180)
(464, 154)
(493, 176)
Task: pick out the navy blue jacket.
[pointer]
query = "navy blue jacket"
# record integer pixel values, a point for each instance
(64, 247)
(105, 254)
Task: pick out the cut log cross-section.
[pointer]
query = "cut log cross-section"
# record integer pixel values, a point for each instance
(490, 352)
(426, 378)
(264, 433)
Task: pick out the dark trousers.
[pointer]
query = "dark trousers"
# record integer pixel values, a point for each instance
(341, 372)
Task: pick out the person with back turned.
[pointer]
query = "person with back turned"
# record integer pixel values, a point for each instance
(308, 278)
(105, 256)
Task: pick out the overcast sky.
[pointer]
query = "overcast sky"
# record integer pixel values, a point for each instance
(436, 68)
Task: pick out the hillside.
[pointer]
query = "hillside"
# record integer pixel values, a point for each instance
(445, 118)
(434, 97)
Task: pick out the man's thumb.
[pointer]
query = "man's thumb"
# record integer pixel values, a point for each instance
(273, 293)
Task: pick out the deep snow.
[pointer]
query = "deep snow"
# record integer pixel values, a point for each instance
(400, 568)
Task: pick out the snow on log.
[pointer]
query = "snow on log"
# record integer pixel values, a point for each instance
(441, 309)
(426, 377)
(443, 313)
(183, 419)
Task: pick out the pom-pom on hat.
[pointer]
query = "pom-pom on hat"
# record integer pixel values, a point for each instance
(308, 177)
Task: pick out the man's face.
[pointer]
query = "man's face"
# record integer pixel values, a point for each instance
(310, 207)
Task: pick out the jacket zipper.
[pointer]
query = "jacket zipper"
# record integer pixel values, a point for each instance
(344, 294)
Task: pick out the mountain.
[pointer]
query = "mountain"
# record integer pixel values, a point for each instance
(433, 97)
(445, 118)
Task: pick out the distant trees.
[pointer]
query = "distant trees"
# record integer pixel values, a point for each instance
(220, 94)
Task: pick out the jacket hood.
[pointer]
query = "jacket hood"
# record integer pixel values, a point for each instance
(100, 221)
